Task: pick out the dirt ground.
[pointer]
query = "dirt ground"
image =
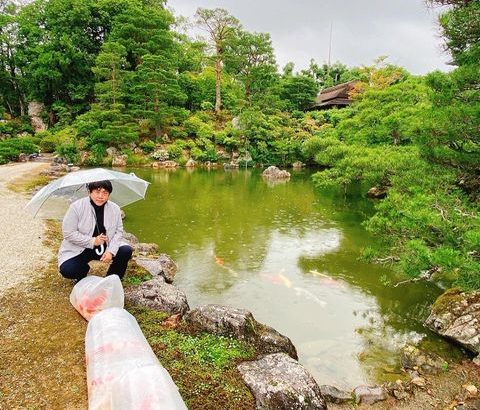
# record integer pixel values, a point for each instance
(42, 352)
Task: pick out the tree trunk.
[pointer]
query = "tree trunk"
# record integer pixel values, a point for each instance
(218, 82)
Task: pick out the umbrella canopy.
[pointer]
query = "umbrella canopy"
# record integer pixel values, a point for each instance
(55, 197)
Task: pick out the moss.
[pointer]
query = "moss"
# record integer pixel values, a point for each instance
(202, 365)
(446, 300)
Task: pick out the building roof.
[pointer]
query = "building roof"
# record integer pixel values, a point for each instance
(336, 96)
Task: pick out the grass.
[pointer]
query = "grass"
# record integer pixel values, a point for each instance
(202, 365)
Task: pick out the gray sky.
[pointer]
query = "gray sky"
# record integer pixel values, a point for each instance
(404, 30)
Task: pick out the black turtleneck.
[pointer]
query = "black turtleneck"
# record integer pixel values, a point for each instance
(99, 227)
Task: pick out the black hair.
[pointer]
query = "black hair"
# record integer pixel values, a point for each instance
(107, 185)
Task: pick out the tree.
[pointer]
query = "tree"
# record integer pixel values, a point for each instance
(220, 27)
(249, 57)
(156, 91)
(299, 91)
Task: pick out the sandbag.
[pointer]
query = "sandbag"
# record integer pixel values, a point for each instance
(94, 294)
(122, 370)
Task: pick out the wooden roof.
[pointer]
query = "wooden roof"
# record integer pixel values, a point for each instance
(337, 96)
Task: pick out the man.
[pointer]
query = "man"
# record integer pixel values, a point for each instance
(93, 230)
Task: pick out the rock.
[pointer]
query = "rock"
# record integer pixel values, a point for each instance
(231, 165)
(240, 324)
(273, 172)
(377, 193)
(418, 381)
(471, 390)
(130, 238)
(22, 157)
(423, 362)
(456, 315)
(476, 360)
(35, 112)
(158, 295)
(119, 160)
(164, 164)
(190, 163)
(112, 151)
(71, 168)
(161, 266)
(369, 395)
(333, 395)
(297, 165)
(145, 249)
(398, 389)
(280, 383)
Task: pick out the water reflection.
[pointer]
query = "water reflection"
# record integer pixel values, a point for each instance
(290, 254)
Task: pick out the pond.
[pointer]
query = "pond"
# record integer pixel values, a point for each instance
(290, 254)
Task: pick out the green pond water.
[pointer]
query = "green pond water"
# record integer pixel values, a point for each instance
(289, 253)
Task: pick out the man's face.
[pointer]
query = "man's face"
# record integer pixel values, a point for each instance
(99, 196)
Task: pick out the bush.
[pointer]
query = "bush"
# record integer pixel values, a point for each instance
(147, 146)
(11, 148)
(161, 155)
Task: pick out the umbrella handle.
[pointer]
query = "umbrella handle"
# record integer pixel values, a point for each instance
(100, 251)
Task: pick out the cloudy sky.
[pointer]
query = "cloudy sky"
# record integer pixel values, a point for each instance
(404, 30)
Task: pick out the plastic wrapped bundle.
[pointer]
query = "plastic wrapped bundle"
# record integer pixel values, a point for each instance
(146, 388)
(122, 370)
(94, 294)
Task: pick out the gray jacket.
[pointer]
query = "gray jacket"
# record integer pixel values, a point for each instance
(79, 224)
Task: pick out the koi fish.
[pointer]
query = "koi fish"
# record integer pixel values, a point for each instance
(88, 307)
(219, 261)
(309, 295)
(280, 279)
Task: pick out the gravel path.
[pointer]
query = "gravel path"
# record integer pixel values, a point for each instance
(22, 253)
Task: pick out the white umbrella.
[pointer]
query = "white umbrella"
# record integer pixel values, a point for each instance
(55, 197)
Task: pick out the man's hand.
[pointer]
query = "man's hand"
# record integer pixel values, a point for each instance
(106, 257)
(101, 239)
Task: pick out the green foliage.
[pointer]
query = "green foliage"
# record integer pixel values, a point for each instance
(11, 148)
(298, 91)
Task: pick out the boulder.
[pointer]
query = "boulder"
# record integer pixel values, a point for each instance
(425, 363)
(190, 163)
(22, 157)
(112, 151)
(278, 382)
(377, 193)
(161, 266)
(240, 324)
(369, 395)
(456, 315)
(333, 395)
(298, 165)
(273, 172)
(35, 111)
(145, 249)
(130, 238)
(119, 160)
(157, 295)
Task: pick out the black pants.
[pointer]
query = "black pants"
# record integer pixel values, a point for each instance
(77, 267)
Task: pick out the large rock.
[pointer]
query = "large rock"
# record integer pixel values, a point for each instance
(158, 295)
(273, 172)
(369, 395)
(130, 238)
(35, 112)
(333, 395)
(425, 363)
(119, 160)
(280, 383)
(456, 315)
(161, 266)
(240, 324)
(145, 249)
